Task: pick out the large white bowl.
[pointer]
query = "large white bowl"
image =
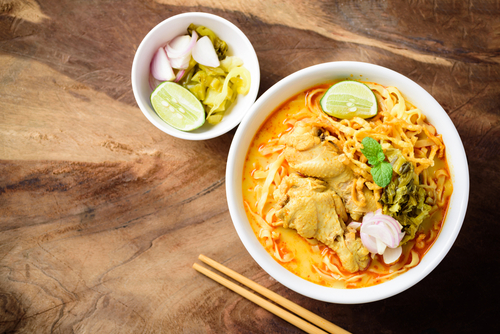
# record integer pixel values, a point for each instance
(300, 81)
(238, 45)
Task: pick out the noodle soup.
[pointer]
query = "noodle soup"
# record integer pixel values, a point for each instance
(307, 185)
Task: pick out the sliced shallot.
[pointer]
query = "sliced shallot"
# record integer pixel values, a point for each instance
(181, 45)
(181, 63)
(179, 76)
(160, 66)
(381, 234)
(354, 225)
(391, 255)
(179, 50)
(204, 52)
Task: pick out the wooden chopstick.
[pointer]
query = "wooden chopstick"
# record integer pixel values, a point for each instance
(285, 315)
(302, 312)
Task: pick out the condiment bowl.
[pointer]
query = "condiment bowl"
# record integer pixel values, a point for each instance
(238, 45)
(298, 82)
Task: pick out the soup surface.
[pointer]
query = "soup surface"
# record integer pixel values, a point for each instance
(308, 189)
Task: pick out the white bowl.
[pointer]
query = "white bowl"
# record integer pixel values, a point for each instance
(298, 82)
(238, 45)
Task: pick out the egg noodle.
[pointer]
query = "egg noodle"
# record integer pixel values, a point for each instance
(398, 125)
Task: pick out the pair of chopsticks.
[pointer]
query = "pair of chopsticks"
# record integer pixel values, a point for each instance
(273, 308)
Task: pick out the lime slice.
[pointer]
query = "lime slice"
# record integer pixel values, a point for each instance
(178, 106)
(348, 99)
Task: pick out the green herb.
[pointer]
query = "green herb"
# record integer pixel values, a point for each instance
(381, 169)
(404, 199)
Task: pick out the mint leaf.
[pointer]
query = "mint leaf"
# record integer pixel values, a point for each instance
(381, 155)
(371, 150)
(382, 173)
(381, 170)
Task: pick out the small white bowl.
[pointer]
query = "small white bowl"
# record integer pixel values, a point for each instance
(238, 45)
(298, 82)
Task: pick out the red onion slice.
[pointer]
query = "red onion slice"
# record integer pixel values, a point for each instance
(381, 234)
(355, 225)
(369, 215)
(369, 242)
(381, 246)
(181, 45)
(160, 66)
(204, 52)
(179, 76)
(180, 63)
(391, 255)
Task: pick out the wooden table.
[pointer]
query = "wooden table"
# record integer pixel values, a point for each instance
(102, 215)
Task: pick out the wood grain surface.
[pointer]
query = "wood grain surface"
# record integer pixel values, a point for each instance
(102, 215)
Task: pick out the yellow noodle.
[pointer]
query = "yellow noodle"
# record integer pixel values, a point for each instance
(325, 275)
(272, 170)
(286, 258)
(265, 234)
(263, 224)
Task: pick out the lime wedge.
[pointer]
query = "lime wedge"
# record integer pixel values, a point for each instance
(348, 99)
(178, 106)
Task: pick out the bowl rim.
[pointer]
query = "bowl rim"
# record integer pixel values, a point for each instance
(453, 220)
(216, 130)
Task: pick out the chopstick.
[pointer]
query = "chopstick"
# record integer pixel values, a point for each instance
(285, 315)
